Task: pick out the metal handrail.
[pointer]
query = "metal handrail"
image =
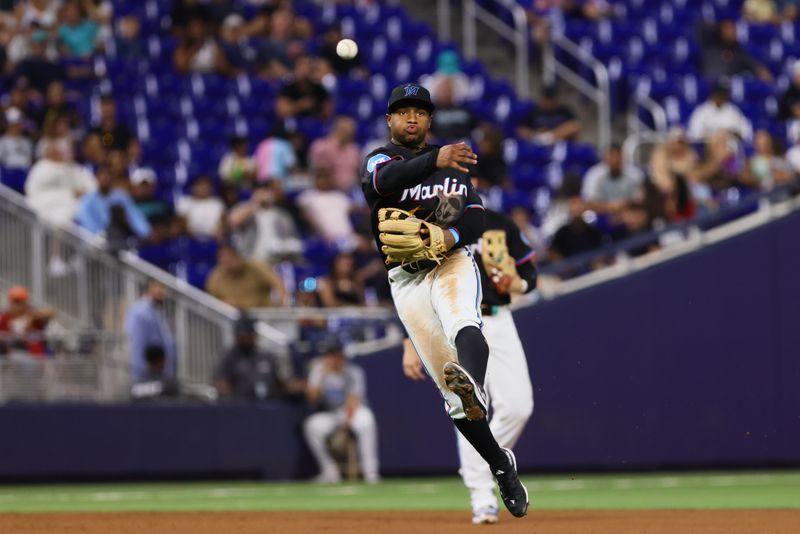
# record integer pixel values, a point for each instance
(656, 110)
(599, 94)
(518, 35)
(636, 140)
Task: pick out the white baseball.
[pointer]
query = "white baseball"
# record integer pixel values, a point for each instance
(346, 49)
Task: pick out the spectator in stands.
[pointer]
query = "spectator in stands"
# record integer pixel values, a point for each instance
(77, 34)
(239, 51)
(718, 113)
(491, 169)
(723, 56)
(288, 33)
(110, 211)
(199, 52)
(531, 235)
(37, 69)
(609, 185)
(184, 11)
(550, 121)
(236, 167)
(22, 326)
(342, 286)
(339, 152)
(766, 169)
(592, 10)
(303, 96)
(558, 211)
(722, 166)
(202, 210)
(147, 327)
(789, 9)
(16, 149)
(158, 212)
(761, 12)
(635, 220)
(328, 210)
(789, 104)
(448, 67)
(58, 133)
(55, 185)
(37, 13)
(128, 41)
(242, 283)
(112, 134)
(275, 157)
(246, 372)
(55, 106)
(102, 13)
(673, 166)
(262, 229)
(453, 122)
(338, 388)
(577, 236)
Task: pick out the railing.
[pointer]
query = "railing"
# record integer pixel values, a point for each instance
(91, 289)
(635, 142)
(599, 93)
(518, 34)
(642, 101)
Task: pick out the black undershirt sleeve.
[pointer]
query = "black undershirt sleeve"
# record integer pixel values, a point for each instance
(527, 271)
(397, 174)
(470, 226)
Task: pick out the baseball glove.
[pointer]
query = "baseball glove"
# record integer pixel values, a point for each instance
(406, 239)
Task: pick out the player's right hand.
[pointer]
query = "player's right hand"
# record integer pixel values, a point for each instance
(412, 365)
(453, 156)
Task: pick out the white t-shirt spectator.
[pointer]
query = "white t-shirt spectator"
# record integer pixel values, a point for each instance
(53, 189)
(600, 186)
(276, 236)
(202, 215)
(707, 118)
(329, 213)
(16, 152)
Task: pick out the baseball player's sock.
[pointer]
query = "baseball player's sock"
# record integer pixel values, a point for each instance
(473, 352)
(480, 436)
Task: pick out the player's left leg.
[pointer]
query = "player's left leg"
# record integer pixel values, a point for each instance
(511, 394)
(456, 295)
(363, 424)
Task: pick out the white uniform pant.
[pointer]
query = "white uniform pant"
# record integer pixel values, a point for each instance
(434, 305)
(508, 386)
(320, 425)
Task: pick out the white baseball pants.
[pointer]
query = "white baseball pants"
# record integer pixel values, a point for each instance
(322, 424)
(508, 386)
(434, 305)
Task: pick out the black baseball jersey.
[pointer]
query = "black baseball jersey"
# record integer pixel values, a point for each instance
(502, 237)
(394, 176)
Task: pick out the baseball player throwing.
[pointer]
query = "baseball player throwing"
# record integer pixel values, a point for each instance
(505, 265)
(425, 213)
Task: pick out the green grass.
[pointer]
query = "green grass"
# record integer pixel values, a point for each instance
(551, 492)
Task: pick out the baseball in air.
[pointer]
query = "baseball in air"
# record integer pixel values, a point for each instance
(346, 49)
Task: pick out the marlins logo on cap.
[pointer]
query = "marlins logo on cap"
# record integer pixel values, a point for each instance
(410, 94)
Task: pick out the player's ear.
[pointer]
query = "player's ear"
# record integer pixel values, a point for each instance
(388, 119)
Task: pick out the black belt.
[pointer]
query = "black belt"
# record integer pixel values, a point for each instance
(490, 309)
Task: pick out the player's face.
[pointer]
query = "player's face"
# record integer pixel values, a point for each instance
(409, 125)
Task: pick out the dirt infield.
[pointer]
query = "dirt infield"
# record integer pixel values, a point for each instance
(583, 522)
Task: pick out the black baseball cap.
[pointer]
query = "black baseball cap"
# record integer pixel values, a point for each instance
(410, 94)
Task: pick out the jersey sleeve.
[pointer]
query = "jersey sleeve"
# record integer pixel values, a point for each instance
(384, 173)
(472, 222)
(523, 255)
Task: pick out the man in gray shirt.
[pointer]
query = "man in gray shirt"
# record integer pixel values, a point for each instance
(338, 387)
